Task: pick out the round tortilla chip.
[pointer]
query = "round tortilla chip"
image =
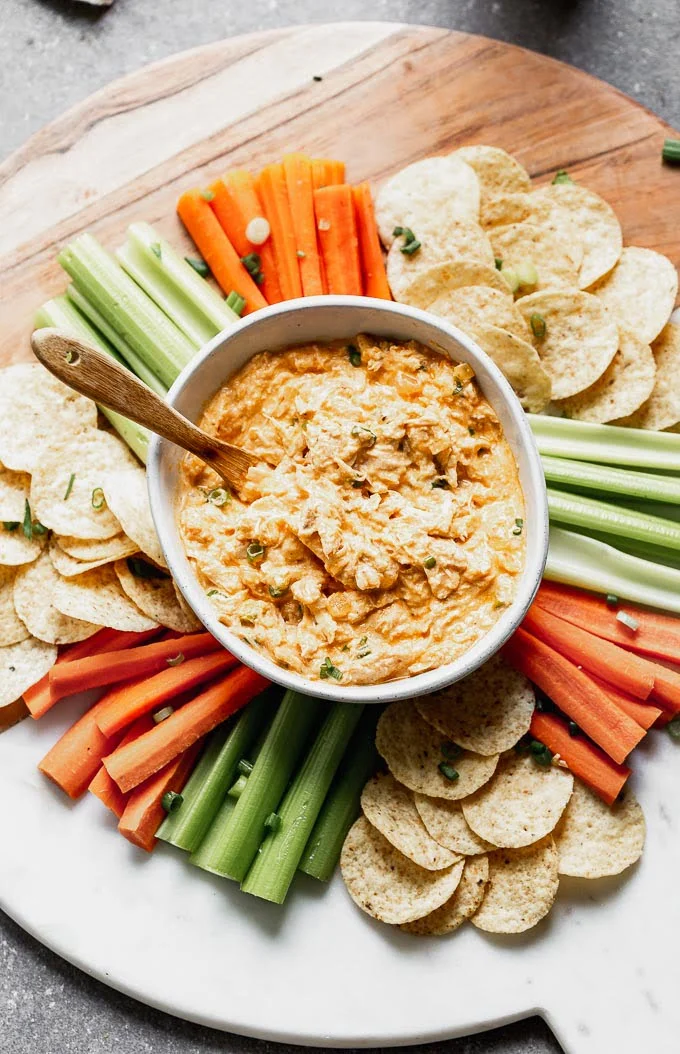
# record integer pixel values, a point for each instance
(128, 498)
(87, 550)
(99, 595)
(487, 712)
(21, 666)
(475, 305)
(429, 285)
(16, 548)
(12, 629)
(88, 460)
(640, 291)
(522, 888)
(662, 408)
(68, 566)
(581, 338)
(34, 591)
(413, 752)
(155, 597)
(14, 491)
(445, 822)
(594, 839)
(579, 216)
(460, 907)
(36, 412)
(520, 364)
(498, 172)
(521, 804)
(523, 243)
(386, 884)
(443, 186)
(389, 807)
(624, 386)
(441, 242)
(505, 209)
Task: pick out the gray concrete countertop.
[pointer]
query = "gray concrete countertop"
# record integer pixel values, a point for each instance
(54, 53)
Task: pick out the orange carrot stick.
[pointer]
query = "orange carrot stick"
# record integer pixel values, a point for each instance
(338, 238)
(298, 172)
(608, 661)
(666, 691)
(236, 203)
(136, 762)
(326, 172)
(575, 694)
(370, 250)
(96, 671)
(644, 714)
(73, 761)
(144, 810)
(131, 701)
(582, 757)
(657, 634)
(216, 249)
(102, 785)
(273, 192)
(40, 698)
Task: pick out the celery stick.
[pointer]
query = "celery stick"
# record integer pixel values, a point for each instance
(276, 863)
(62, 314)
(342, 804)
(241, 830)
(578, 560)
(212, 777)
(588, 513)
(581, 475)
(127, 308)
(604, 444)
(191, 302)
(127, 353)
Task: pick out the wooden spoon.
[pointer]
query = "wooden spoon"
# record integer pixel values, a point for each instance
(97, 375)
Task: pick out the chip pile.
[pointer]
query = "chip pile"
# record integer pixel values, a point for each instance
(467, 824)
(78, 548)
(540, 279)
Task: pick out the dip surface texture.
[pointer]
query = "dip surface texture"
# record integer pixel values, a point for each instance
(387, 539)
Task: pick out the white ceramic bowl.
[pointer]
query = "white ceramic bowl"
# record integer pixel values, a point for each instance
(323, 319)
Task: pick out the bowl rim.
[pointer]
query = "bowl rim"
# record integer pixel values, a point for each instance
(534, 486)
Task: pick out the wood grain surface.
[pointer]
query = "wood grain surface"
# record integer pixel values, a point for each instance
(389, 94)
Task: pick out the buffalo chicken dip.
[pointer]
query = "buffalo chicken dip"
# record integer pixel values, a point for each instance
(382, 534)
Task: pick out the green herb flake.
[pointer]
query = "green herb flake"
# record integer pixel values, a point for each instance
(156, 249)
(498, 262)
(673, 728)
(10, 525)
(671, 151)
(199, 265)
(562, 176)
(411, 244)
(611, 600)
(98, 500)
(538, 326)
(354, 355)
(207, 195)
(219, 496)
(72, 479)
(451, 751)
(448, 771)
(28, 521)
(471, 431)
(171, 801)
(429, 563)
(540, 753)
(253, 265)
(362, 432)
(277, 591)
(236, 302)
(458, 386)
(519, 526)
(328, 670)
(255, 552)
(574, 729)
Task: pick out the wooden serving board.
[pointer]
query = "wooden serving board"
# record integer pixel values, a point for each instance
(600, 970)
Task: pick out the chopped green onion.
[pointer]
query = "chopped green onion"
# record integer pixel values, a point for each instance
(519, 526)
(673, 728)
(627, 620)
(255, 552)
(448, 771)
(236, 302)
(361, 431)
(277, 591)
(273, 822)
(39, 528)
(498, 262)
(611, 600)
(471, 431)
(411, 248)
(10, 525)
(411, 244)
(440, 483)
(207, 195)
(671, 151)
(253, 265)
(163, 714)
(245, 767)
(98, 500)
(219, 496)
(176, 660)
(512, 279)
(171, 801)
(527, 274)
(327, 669)
(238, 788)
(562, 176)
(258, 230)
(300, 254)
(354, 355)
(28, 521)
(540, 753)
(458, 386)
(574, 729)
(538, 326)
(429, 563)
(451, 751)
(215, 593)
(156, 249)
(69, 488)
(199, 265)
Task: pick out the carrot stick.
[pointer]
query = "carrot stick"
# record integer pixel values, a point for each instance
(273, 192)
(236, 203)
(370, 250)
(298, 172)
(73, 761)
(326, 172)
(582, 757)
(102, 785)
(133, 764)
(144, 810)
(657, 634)
(40, 698)
(96, 671)
(666, 691)
(216, 249)
(338, 238)
(644, 714)
(575, 694)
(608, 661)
(131, 701)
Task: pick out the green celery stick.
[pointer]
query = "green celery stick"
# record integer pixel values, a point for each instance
(277, 861)
(604, 444)
(614, 520)
(582, 475)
